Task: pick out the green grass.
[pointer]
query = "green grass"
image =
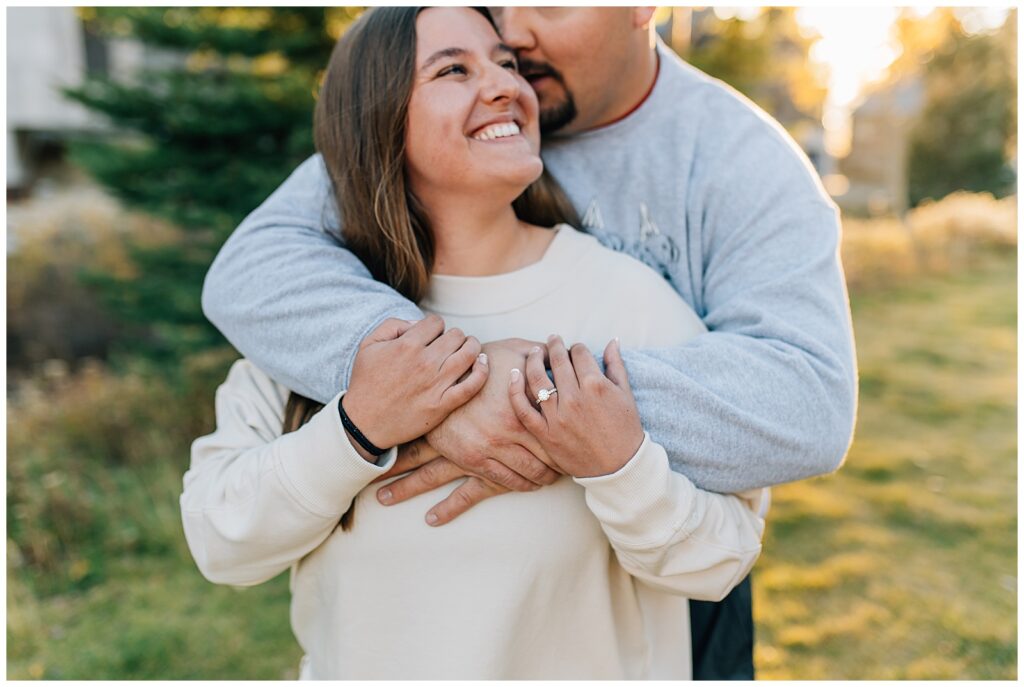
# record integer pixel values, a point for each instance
(901, 565)
(152, 618)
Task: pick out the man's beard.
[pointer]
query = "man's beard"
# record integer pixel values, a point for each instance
(553, 117)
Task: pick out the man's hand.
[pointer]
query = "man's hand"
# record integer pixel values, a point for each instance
(483, 440)
(429, 471)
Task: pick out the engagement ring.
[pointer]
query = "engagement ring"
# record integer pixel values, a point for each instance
(545, 394)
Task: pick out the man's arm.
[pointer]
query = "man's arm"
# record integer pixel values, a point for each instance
(289, 296)
(768, 395)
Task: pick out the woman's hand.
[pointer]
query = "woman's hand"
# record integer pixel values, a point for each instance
(406, 379)
(591, 426)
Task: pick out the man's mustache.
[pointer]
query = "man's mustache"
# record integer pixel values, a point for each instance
(530, 69)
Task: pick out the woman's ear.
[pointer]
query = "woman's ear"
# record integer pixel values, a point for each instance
(642, 16)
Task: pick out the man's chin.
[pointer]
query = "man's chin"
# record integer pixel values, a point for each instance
(556, 116)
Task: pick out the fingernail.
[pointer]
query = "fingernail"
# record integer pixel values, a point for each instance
(514, 375)
(535, 349)
(431, 518)
(482, 358)
(616, 342)
(384, 495)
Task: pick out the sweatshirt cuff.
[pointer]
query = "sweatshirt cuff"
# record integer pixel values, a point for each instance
(641, 503)
(323, 467)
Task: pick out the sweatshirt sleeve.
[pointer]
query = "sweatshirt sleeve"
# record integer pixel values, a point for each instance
(256, 501)
(769, 394)
(289, 296)
(671, 535)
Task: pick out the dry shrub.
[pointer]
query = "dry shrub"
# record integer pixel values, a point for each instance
(935, 237)
(51, 240)
(950, 232)
(876, 252)
(95, 459)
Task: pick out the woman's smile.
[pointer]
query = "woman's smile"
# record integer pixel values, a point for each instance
(497, 132)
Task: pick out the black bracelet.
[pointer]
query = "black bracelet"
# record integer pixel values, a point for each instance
(359, 436)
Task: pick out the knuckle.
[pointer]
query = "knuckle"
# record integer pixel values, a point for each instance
(509, 423)
(539, 380)
(462, 499)
(436, 406)
(428, 473)
(538, 471)
(491, 472)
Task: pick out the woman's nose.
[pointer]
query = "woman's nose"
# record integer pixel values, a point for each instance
(499, 84)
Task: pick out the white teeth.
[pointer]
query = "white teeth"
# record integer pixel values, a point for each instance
(498, 131)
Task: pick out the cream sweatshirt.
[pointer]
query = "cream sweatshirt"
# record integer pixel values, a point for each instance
(583, 579)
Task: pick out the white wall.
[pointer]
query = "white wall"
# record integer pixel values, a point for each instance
(45, 50)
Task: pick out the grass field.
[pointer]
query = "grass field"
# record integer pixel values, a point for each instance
(902, 565)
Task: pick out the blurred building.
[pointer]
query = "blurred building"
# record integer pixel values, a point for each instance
(876, 167)
(49, 48)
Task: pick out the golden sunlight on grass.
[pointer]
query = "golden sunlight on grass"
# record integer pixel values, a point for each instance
(903, 564)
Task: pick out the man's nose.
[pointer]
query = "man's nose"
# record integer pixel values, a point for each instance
(516, 31)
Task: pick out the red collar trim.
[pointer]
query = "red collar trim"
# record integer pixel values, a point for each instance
(657, 70)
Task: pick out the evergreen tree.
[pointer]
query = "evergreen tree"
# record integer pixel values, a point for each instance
(966, 134)
(200, 140)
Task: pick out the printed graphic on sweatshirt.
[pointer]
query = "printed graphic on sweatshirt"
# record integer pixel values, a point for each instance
(653, 248)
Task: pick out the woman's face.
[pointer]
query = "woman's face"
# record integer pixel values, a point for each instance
(472, 123)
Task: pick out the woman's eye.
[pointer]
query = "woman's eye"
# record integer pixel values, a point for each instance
(452, 69)
(510, 64)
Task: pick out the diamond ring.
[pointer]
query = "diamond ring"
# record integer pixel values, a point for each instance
(545, 394)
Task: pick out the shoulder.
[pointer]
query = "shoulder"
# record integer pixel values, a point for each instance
(250, 392)
(733, 137)
(717, 102)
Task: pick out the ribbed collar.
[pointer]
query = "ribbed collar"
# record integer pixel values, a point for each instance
(494, 294)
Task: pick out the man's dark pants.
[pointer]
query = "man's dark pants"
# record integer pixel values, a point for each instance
(722, 635)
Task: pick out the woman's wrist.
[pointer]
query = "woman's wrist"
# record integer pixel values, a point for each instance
(361, 430)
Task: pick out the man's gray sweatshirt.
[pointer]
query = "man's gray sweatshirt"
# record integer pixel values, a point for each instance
(699, 184)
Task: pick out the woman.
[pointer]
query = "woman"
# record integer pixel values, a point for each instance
(430, 137)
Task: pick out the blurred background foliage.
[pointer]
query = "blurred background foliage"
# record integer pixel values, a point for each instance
(200, 142)
(902, 565)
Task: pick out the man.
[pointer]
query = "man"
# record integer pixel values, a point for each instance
(665, 164)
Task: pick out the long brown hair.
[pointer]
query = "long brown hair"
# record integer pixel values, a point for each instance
(359, 127)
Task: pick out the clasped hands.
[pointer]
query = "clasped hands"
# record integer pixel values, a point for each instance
(500, 438)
